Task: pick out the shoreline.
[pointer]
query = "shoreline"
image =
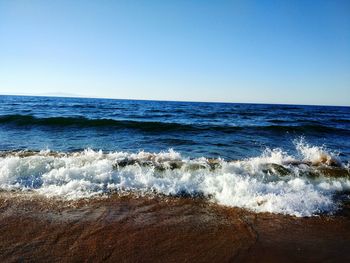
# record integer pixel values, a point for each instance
(131, 229)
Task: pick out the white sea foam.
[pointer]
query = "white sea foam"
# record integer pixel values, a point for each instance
(271, 182)
(317, 155)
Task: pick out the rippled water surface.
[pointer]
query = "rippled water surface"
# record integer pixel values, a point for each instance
(230, 131)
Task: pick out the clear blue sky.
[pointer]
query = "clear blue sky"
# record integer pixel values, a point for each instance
(234, 51)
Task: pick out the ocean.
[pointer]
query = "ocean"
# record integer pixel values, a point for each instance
(282, 159)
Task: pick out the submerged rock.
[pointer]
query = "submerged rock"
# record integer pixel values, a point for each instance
(335, 172)
(276, 169)
(195, 166)
(214, 163)
(123, 163)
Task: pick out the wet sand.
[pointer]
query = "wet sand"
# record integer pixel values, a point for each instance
(143, 229)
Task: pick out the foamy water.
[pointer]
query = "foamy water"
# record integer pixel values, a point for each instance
(274, 182)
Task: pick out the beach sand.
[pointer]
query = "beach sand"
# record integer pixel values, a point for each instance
(159, 229)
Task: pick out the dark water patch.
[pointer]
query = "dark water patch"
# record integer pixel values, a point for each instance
(279, 121)
(249, 114)
(303, 128)
(28, 120)
(82, 106)
(346, 121)
(82, 122)
(296, 122)
(175, 141)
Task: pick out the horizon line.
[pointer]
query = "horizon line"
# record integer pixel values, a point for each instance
(78, 96)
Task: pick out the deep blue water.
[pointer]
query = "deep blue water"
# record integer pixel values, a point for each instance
(227, 130)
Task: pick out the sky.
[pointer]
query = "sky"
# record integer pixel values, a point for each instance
(294, 52)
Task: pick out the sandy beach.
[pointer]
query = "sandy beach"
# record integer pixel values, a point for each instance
(153, 229)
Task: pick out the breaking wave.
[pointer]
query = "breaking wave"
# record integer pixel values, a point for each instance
(306, 184)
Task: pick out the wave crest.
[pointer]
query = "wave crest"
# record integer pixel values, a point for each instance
(159, 126)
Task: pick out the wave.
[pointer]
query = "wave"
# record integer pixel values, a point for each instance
(157, 126)
(26, 120)
(304, 185)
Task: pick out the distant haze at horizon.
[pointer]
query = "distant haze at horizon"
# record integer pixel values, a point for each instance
(72, 95)
(294, 52)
